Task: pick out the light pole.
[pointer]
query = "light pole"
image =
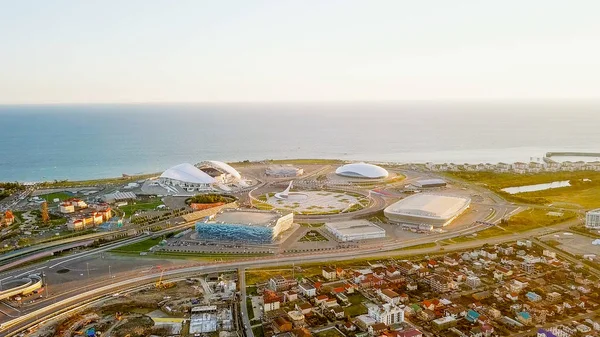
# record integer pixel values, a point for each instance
(87, 265)
(109, 274)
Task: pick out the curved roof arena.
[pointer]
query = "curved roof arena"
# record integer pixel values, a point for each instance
(221, 166)
(428, 206)
(362, 170)
(187, 173)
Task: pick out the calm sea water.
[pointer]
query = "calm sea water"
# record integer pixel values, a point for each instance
(92, 141)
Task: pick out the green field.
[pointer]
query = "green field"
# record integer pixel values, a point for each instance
(332, 332)
(356, 308)
(315, 225)
(96, 182)
(423, 245)
(316, 236)
(57, 195)
(534, 218)
(249, 308)
(582, 194)
(527, 220)
(140, 206)
(138, 247)
(258, 331)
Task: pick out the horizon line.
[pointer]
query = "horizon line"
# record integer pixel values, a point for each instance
(445, 100)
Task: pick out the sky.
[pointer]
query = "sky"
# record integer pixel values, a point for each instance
(109, 51)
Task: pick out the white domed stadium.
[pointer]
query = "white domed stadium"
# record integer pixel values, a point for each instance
(220, 171)
(362, 170)
(188, 177)
(427, 209)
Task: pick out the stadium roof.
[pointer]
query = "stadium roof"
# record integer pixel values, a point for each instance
(221, 166)
(429, 205)
(187, 173)
(362, 170)
(429, 182)
(355, 227)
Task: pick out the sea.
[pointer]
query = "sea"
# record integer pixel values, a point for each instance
(55, 142)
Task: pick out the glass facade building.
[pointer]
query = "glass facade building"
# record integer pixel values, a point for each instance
(592, 219)
(234, 232)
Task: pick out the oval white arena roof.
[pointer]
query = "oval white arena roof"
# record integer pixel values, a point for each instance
(362, 170)
(187, 173)
(429, 206)
(224, 167)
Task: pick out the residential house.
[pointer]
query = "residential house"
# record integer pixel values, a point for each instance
(524, 318)
(472, 316)
(439, 284)
(307, 289)
(271, 301)
(389, 296)
(443, 323)
(282, 325)
(290, 296)
(533, 297)
(329, 273)
(337, 311)
(553, 297)
(280, 283)
(473, 281)
(386, 313)
(305, 308)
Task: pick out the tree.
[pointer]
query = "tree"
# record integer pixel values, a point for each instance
(45, 215)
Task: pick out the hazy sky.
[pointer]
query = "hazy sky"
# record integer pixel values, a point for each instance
(55, 51)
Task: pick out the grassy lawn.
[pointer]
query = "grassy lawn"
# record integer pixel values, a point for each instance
(254, 276)
(356, 308)
(146, 206)
(138, 247)
(249, 308)
(258, 331)
(534, 218)
(315, 225)
(524, 221)
(96, 182)
(57, 195)
(313, 236)
(580, 195)
(423, 245)
(333, 332)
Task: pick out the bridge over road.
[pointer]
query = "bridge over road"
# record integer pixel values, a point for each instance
(22, 286)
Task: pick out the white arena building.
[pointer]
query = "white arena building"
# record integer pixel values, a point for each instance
(355, 230)
(188, 177)
(427, 209)
(362, 170)
(220, 171)
(592, 219)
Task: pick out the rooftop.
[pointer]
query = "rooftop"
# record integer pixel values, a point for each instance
(362, 170)
(250, 217)
(429, 205)
(355, 227)
(187, 173)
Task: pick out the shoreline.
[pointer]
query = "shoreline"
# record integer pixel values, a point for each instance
(540, 165)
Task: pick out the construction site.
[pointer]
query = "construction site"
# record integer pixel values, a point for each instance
(202, 305)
